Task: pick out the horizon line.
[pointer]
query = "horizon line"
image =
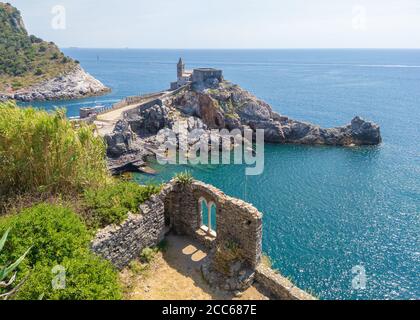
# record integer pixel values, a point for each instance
(326, 48)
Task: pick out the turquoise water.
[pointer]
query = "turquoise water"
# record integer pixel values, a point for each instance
(325, 209)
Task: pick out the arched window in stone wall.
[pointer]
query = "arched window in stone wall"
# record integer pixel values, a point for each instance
(208, 216)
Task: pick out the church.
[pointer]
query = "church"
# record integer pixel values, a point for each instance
(196, 76)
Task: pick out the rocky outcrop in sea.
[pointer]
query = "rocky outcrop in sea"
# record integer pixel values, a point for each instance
(229, 106)
(198, 109)
(75, 84)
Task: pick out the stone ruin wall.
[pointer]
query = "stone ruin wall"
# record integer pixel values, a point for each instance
(120, 244)
(278, 286)
(176, 208)
(236, 220)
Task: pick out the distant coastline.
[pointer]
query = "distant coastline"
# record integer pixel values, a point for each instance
(75, 84)
(32, 69)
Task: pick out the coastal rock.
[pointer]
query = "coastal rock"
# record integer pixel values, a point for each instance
(187, 102)
(235, 100)
(359, 132)
(119, 142)
(151, 120)
(72, 85)
(364, 132)
(125, 151)
(229, 106)
(273, 131)
(187, 117)
(210, 112)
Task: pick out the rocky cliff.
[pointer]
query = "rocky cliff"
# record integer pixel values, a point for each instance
(73, 84)
(226, 105)
(33, 69)
(223, 105)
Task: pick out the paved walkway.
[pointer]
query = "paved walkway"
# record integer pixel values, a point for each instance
(105, 122)
(176, 275)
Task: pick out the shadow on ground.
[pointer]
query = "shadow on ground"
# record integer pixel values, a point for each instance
(186, 256)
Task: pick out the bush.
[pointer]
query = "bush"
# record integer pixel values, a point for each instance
(16, 85)
(35, 39)
(110, 204)
(6, 280)
(138, 268)
(227, 253)
(58, 237)
(148, 254)
(55, 56)
(44, 152)
(184, 178)
(38, 72)
(42, 48)
(87, 278)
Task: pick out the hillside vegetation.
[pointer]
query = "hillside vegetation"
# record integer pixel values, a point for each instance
(25, 59)
(44, 152)
(58, 240)
(55, 192)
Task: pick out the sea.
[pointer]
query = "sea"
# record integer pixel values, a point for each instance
(341, 223)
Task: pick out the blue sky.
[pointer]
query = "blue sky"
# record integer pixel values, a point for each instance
(227, 23)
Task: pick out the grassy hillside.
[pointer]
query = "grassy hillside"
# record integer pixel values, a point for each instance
(41, 151)
(55, 192)
(26, 59)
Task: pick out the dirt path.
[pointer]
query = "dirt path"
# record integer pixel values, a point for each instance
(175, 274)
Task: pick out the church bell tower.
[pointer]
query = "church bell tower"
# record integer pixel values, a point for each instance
(180, 68)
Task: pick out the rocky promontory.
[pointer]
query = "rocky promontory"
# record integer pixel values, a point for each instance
(196, 110)
(33, 69)
(74, 84)
(226, 105)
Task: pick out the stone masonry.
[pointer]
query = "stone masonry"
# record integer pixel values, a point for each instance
(237, 220)
(234, 259)
(123, 243)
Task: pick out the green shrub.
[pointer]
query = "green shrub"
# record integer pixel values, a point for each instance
(44, 152)
(147, 255)
(6, 280)
(42, 48)
(110, 204)
(58, 237)
(184, 178)
(227, 253)
(88, 277)
(138, 268)
(34, 39)
(16, 85)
